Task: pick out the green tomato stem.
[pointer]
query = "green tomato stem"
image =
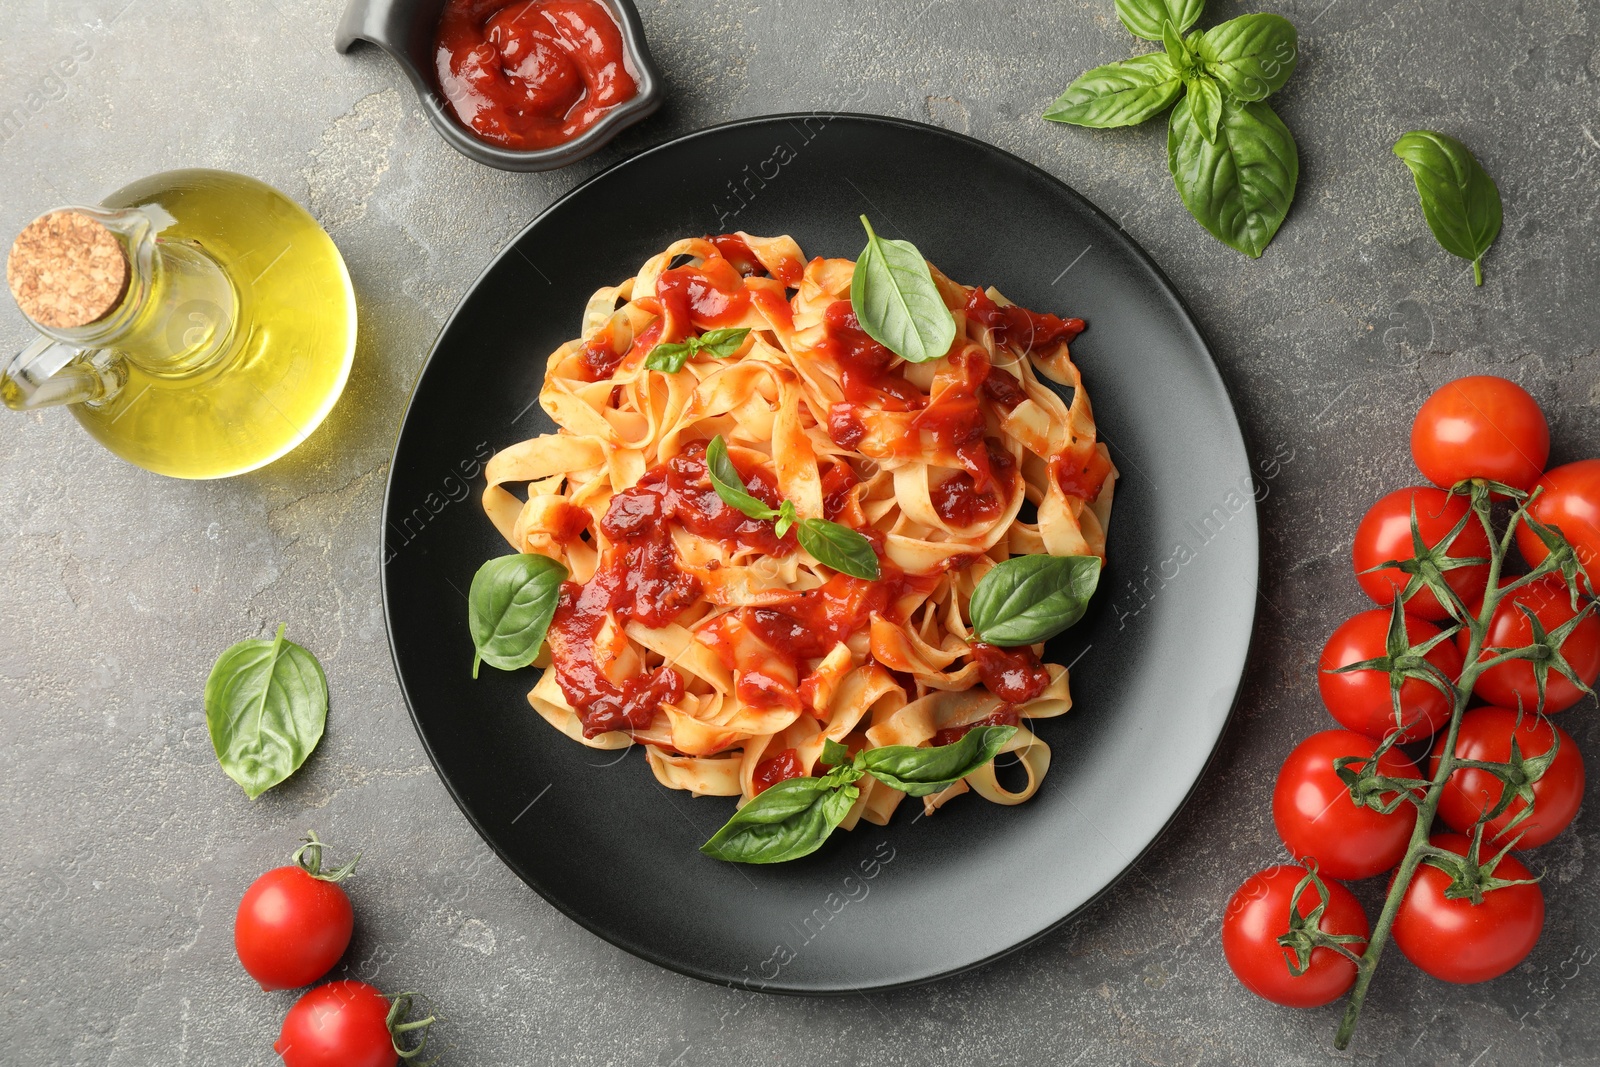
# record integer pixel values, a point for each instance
(1419, 847)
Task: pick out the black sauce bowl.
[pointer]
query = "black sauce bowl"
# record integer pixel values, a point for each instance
(406, 30)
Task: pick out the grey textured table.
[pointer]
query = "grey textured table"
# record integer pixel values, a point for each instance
(125, 848)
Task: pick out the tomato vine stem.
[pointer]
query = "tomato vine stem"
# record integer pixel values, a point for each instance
(1419, 847)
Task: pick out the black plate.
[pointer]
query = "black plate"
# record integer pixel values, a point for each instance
(1157, 663)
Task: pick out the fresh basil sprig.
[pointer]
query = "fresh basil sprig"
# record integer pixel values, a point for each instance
(895, 300)
(509, 608)
(1234, 163)
(266, 708)
(834, 545)
(787, 517)
(719, 344)
(1459, 199)
(792, 818)
(1028, 599)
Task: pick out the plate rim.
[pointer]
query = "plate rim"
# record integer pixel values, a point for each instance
(1251, 541)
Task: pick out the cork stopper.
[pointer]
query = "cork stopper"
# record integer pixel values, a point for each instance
(66, 270)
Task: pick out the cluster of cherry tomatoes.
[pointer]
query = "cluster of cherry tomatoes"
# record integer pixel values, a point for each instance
(292, 926)
(1482, 428)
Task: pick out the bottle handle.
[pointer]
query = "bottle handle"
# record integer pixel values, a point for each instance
(48, 372)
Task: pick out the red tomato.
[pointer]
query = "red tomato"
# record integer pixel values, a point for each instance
(1485, 735)
(341, 1024)
(1317, 818)
(1509, 628)
(1569, 501)
(1459, 941)
(291, 928)
(1259, 913)
(1385, 534)
(1480, 427)
(1361, 700)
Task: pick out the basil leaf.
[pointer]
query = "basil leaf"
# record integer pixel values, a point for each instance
(834, 754)
(1459, 199)
(1205, 99)
(785, 821)
(844, 774)
(266, 706)
(1145, 18)
(833, 545)
(787, 516)
(1239, 187)
(1180, 53)
(918, 772)
(722, 343)
(729, 486)
(1119, 94)
(839, 547)
(896, 302)
(1028, 599)
(669, 357)
(509, 608)
(1252, 55)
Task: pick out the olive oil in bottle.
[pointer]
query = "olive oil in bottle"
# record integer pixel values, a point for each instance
(199, 323)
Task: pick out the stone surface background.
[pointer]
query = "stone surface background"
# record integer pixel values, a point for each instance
(125, 848)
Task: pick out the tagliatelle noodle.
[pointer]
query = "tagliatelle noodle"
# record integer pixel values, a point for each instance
(949, 466)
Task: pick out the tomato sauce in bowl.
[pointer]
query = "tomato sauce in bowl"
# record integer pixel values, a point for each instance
(531, 74)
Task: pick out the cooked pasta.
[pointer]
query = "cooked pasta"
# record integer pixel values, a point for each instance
(729, 652)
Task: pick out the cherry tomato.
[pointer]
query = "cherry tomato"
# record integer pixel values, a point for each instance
(1361, 700)
(1258, 915)
(292, 927)
(1318, 819)
(341, 1024)
(1385, 534)
(1456, 940)
(1485, 734)
(1570, 501)
(1480, 427)
(1508, 682)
